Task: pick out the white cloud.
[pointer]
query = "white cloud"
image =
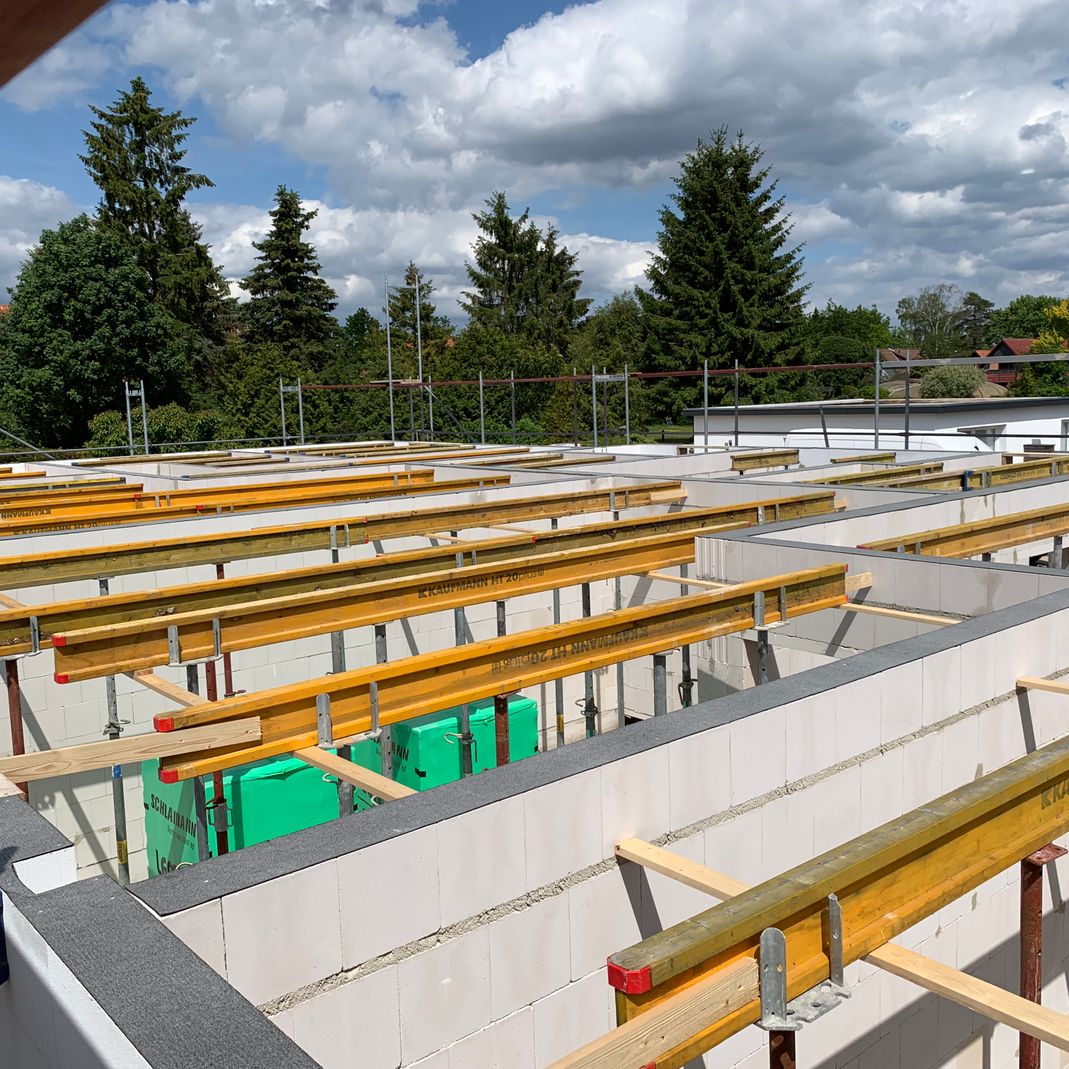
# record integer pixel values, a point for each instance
(26, 209)
(920, 142)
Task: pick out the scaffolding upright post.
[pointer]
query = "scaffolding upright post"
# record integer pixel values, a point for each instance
(300, 409)
(660, 684)
(389, 359)
(281, 408)
(512, 383)
(460, 628)
(627, 406)
(430, 406)
(113, 729)
(575, 406)
(129, 415)
(594, 403)
(705, 407)
(482, 413)
(14, 710)
(876, 404)
(736, 427)
(385, 734)
(144, 415)
(686, 684)
(905, 415)
(200, 798)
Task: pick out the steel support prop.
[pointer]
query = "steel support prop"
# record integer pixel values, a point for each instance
(1032, 940)
(218, 804)
(558, 684)
(464, 737)
(686, 684)
(660, 684)
(228, 666)
(781, 1050)
(385, 732)
(113, 729)
(200, 798)
(14, 710)
(337, 666)
(1057, 557)
(590, 709)
(618, 603)
(501, 706)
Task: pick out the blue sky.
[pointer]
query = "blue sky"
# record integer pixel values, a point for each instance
(904, 159)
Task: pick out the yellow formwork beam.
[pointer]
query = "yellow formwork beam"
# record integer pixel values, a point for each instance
(158, 508)
(886, 881)
(21, 625)
(882, 475)
(416, 685)
(64, 565)
(961, 540)
(192, 636)
(764, 458)
(987, 477)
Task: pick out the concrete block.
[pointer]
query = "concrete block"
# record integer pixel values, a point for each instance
(355, 1024)
(881, 789)
(487, 841)
(836, 809)
(758, 755)
(787, 829)
(275, 943)
(506, 1044)
(922, 764)
(634, 798)
(529, 955)
(960, 753)
(857, 720)
(941, 685)
(201, 929)
(445, 994)
(901, 701)
(573, 804)
(809, 723)
(382, 905)
(571, 1017)
(699, 777)
(604, 916)
(735, 847)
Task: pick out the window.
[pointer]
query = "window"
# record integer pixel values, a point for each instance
(988, 435)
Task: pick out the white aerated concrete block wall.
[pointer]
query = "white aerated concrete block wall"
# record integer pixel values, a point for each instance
(481, 940)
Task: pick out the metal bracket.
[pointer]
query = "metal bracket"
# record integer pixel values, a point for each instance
(373, 694)
(35, 635)
(778, 1015)
(324, 724)
(174, 651)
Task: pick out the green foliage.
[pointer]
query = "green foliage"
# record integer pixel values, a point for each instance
(724, 283)
(134, 154)
(976, 321)
(169, 423)
(868, 328)
(82, 319)
(523, 283)
(290, 305)
(1054, 337)
(951, 382)
(1023, 317)
(934, 320)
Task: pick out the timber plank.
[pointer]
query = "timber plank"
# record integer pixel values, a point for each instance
(375, 784)
(67, 760)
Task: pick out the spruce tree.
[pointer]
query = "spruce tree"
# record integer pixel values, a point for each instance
(524, 283)
(134, 155)
(290, 304)
(724, 283)
(402, 309)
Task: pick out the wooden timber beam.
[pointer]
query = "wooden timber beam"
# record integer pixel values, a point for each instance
(442, 679)
(152, 458)
(986, 999)
(962, 540)
(900, 614)
(1053, 686)
(17, 627)
(102, 516)
(986, 477)
(165, 688)
(881, 475)
(866, 458)
(151, 640)
(133, 749)
(60, 566)
(55, 486)
(764, 458)
(376, 785)
(9, 789)
(29, 28)
(886, 881)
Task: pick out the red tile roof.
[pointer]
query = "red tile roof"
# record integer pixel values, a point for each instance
(1017, 346)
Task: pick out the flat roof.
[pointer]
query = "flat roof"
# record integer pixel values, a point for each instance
(858, 404)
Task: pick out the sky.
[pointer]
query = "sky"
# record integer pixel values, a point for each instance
(915, 141)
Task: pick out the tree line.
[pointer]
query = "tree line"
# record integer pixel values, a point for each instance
(132, 292)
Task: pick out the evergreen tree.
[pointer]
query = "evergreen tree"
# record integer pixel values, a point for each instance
(134, 155)
(402, 309)
(524, 284)
(82, 319)
(976, 322)
(290, 304)
(724, 283)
